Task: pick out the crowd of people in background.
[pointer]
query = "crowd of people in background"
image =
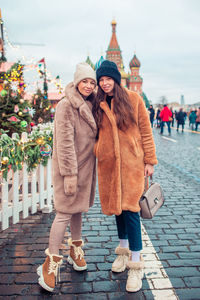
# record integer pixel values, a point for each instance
(166, 116)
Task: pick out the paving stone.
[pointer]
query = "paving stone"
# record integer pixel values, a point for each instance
(192, 282)
(105, 286)
(188, 262)
(182, 272)
(126, 296)
(98, 252)
(6, 290)
(97, 296)
(7, 278)
(104, 266)
(76, 288)
(188, 294)
(26, 278)
(98, 275)
(94, 259)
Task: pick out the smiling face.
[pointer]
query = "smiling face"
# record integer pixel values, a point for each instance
(107, 85)
(86, 87)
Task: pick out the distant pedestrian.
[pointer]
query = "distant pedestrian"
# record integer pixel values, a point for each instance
(158, 118)
(173, 116)
(197, 119)
(151, 114)
(126, 153)
(180, 118)
(192, 118)
(74, 173)
(166, 117)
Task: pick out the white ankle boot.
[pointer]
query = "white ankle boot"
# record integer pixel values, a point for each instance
(135, 275)
(123, 255)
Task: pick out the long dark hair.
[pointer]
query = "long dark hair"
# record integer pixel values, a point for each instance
(123, 109)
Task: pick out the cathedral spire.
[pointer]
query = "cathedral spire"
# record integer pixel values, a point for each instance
(113, 52)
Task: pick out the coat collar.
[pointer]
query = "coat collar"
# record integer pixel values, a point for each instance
(109, 112)
(79, 103)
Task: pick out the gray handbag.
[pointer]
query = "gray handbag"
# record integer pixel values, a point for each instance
(151, 200)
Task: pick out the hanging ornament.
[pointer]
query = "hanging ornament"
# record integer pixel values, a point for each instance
(20, 113)
(40, 141)
(13, 119)
(23, 124)
(4, 93)
(21, 101)
(14, 86)
(32, 124)
(16, 108)
(31, 111)
(25, 110)
(45, 150)
(3, 115)
(5, 160)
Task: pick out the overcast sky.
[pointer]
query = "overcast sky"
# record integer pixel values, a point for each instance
(165, 35)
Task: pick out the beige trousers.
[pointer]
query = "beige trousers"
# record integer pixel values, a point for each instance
(58, 230)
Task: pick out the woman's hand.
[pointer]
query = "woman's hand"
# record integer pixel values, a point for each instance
(70, 185)
(148, 170)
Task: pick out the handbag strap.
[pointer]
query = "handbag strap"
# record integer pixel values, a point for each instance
(146, 182)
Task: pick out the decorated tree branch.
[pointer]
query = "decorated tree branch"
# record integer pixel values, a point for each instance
(41, 106)
(14, 110)
(14, 151)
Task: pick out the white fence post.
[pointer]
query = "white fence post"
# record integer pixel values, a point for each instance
(33, 193)
(16, 197)
(24, 139)
(4, 213)
(41, 186)
(48, 206)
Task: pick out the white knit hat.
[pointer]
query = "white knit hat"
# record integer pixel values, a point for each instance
(83, 71)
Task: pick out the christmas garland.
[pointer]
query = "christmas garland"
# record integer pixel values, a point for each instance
(14, 152)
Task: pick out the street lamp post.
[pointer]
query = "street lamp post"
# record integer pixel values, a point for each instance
(3, 58)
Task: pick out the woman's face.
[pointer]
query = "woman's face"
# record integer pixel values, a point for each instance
(107, 85)
(86, 87)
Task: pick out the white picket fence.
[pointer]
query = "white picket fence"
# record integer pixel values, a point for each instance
(25, 193)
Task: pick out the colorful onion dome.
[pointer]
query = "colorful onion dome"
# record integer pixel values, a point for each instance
(123, 73)
(99, 62)
(113, 22)
(88, 60)
(134, 63)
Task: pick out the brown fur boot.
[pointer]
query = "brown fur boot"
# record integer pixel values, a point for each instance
(135, 275)
(76, 256)
(49, 271)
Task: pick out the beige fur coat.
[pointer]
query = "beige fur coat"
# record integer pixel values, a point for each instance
(74, 138)
(122, 157)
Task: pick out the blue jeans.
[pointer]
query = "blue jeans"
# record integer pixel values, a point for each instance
(129, 227)
(162, 126)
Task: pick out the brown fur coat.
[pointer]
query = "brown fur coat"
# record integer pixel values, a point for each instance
(74, 138)
(122, 157)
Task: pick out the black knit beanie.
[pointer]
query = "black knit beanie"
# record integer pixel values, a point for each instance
(109, 69)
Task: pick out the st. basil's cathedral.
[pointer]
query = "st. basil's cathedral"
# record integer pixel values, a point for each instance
(132, 80)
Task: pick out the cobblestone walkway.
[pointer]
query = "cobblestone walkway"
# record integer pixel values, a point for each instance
(171, 242)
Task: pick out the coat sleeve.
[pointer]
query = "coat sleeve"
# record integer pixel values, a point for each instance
(146, 134)
(67, 158)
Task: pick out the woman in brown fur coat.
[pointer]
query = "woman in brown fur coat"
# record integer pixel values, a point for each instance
(126, 154)
(74, 172)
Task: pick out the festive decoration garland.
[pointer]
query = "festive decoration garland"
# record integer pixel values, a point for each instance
(14, 151)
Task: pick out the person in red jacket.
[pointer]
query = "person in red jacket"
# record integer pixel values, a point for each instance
(166, 117)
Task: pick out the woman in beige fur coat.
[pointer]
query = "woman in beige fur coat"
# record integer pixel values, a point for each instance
(74, 172)
(126, 154)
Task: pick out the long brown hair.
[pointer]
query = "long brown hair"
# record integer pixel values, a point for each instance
(123, 110)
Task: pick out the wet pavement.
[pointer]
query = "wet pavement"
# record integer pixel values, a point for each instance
(171, 240)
